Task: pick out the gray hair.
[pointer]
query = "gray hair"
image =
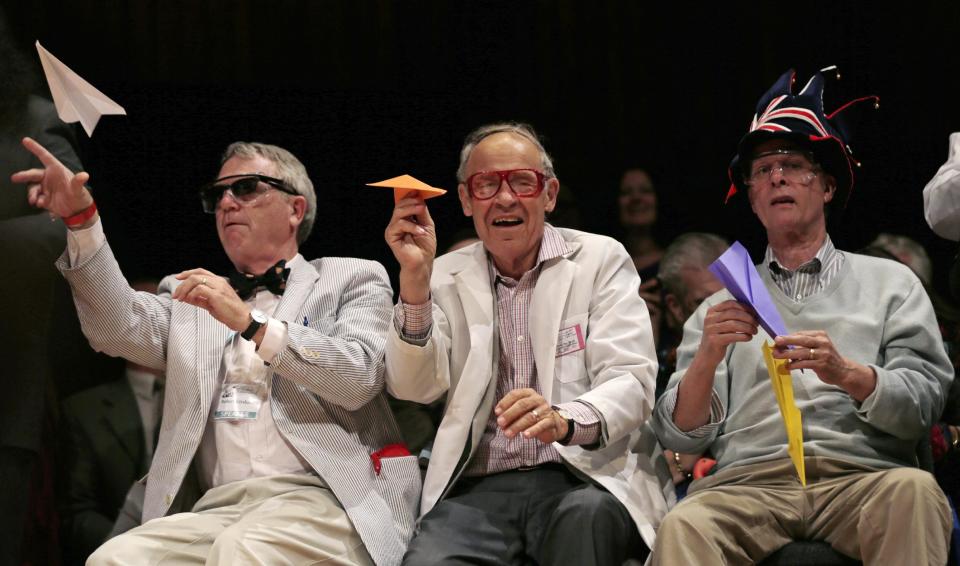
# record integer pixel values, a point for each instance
(518, 128)
(909, 252)
(693, 250)
(289, 170)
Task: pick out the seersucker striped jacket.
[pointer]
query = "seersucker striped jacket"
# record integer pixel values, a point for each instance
(327, 392)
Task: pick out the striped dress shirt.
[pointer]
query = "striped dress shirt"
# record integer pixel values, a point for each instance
(811, 277)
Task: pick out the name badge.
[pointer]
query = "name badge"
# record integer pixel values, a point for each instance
(238, 402)
(570, 340)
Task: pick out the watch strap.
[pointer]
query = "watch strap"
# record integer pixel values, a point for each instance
(251, 329)
(570, 430)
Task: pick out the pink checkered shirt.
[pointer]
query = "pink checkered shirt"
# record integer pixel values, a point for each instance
(516, 367)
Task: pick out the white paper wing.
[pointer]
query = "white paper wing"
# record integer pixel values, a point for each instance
(76, 99)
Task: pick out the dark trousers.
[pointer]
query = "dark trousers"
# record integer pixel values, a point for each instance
(541, 516)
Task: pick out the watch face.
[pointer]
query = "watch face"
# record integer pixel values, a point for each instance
(258, 316)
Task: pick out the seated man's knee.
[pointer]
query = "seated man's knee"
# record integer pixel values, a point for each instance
(904, 490)
(591, 504)
(679, 519)
(909, 484)
(694, 516)
(114, 552)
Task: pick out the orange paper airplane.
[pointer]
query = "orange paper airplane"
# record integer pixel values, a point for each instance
(405, 184)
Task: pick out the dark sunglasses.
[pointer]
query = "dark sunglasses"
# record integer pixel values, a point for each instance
(246, 189)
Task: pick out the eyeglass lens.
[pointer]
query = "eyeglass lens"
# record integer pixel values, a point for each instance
(794, 169)
(243, 190)
(523, 182)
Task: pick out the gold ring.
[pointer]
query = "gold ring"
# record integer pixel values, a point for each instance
(203, 280)
(813, 352)
(536, 415)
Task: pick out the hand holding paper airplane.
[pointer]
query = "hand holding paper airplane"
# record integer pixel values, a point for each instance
(76, 99)
(412, 235)
(738, 274)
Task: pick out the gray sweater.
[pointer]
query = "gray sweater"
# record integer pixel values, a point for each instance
(876, 312)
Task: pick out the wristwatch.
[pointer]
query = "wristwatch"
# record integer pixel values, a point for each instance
(570, 423)
(257, 319)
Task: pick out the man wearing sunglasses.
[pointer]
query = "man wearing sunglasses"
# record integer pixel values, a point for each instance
(543, 347)
(869, 375)
(274, 402)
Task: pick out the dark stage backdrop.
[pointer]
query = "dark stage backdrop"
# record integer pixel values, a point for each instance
(364, 90)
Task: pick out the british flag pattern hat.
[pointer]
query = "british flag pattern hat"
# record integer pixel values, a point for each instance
(800, 118)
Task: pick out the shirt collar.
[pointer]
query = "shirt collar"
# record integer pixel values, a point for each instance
(297, 259)
(824, 256)
(143, 383)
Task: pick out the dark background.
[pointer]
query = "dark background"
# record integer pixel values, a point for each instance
(365, 90)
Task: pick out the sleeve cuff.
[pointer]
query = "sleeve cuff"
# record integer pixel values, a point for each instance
(273, 340)
(83, 244)
(413, 322)
(586, 423)
(716, 413)
(875, 398)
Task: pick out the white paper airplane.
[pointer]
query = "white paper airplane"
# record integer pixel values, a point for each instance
(76, 99)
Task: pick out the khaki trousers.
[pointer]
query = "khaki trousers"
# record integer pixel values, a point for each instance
(743, 514)
(287, 519)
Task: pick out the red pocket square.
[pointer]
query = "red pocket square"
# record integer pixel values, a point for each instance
(388, 451)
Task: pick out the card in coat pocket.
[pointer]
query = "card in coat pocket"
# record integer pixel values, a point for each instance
(570, 340)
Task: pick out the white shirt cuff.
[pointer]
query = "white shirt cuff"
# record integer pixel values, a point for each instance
(83, 244)
(273, 340)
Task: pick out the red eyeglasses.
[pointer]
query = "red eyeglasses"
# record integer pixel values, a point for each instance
(525, 183)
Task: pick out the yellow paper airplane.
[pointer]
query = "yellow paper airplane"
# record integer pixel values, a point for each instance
(405, 184)
(782, 384)
(76, 99)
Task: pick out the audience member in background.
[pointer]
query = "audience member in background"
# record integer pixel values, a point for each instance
(108, 435)
(637, 205)
(908, 252)
(869, 372)
(30, 339)
(686, 282)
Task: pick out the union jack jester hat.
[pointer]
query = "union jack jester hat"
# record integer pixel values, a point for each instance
(800, 118)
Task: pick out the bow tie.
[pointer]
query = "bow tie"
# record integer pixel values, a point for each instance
(275, 280)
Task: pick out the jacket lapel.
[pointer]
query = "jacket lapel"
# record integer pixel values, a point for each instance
(546, 312)
(122, 419)
(299, 285)
(476, 298)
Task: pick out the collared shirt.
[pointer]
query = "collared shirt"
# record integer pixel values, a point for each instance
(230, 450)
(147, 389)
(811, 277)
(516, 366)
(235, 450)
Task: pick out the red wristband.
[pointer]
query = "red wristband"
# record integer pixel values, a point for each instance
(81, 217)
